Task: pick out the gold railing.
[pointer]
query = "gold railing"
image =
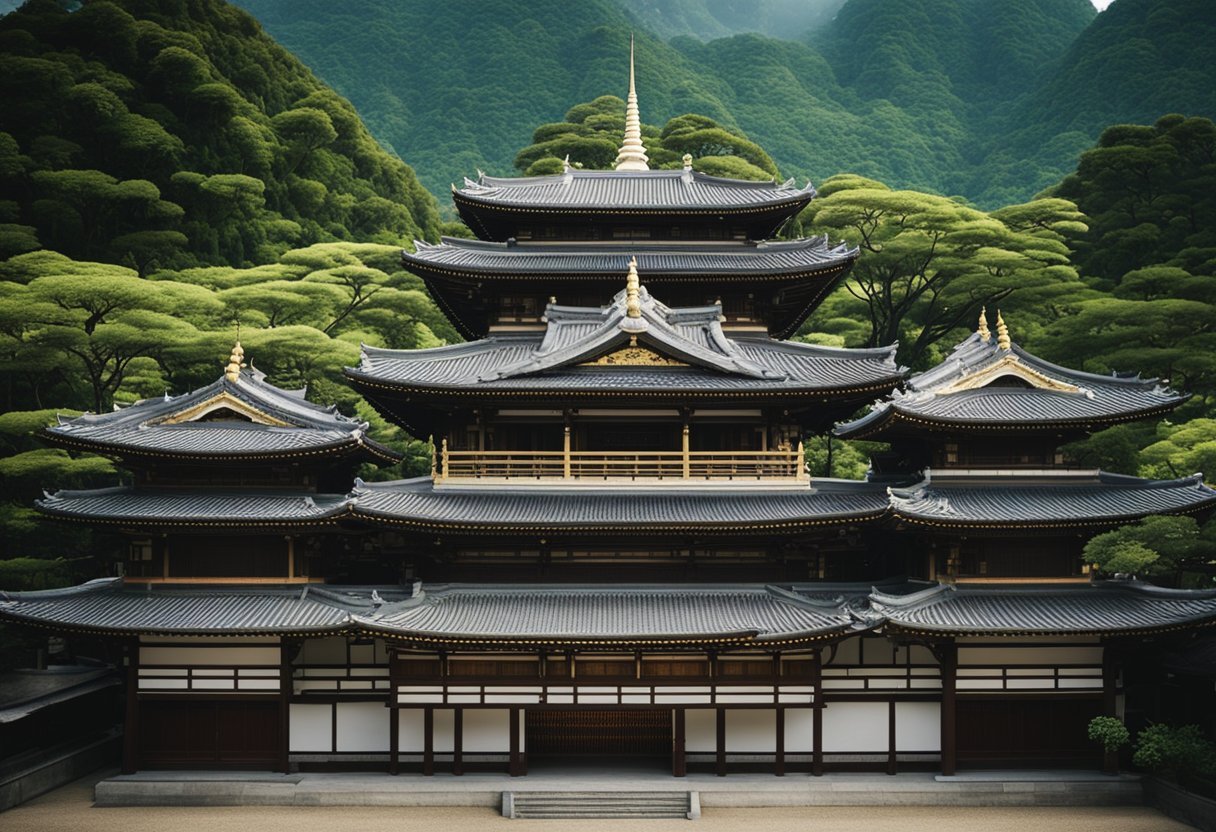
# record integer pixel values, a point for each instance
(621, 465)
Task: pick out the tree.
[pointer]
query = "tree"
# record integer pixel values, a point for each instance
(1159, 546)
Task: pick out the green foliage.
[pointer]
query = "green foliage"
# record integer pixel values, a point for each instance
(1170, 751)
(1163, 546)
(1110, 732)
(183, 136)
(25, 574)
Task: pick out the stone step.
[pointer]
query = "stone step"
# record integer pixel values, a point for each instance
(618, 805)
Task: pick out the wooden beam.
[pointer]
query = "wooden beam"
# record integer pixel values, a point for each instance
(514, 766)
(679, 756)
(779, 759)
(891, 762)
(720, 736)
(948, 658)
(458, 741)
(130, 736)
(1110, 701)
(428, 741)
(394, 738)
(817, 713)
(286, 685)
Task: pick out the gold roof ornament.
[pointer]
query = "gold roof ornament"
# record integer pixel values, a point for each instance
(687, 161)
(633, 301)
(632, 154)
(1002, 332)
(236, 362)
(982, 329)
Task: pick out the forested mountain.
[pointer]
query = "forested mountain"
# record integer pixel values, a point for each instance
(178, 133)
(712, 19)
(921, 94)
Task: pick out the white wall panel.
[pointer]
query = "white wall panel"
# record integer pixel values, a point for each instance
(409, 730)
(700, 730)
(918, 726)
(1044, 655)
(487, 729)
(855, 726)
(751, 731)
(362, 726)
(799, 730)
(310, 727)
(197, 656)
(445, 730)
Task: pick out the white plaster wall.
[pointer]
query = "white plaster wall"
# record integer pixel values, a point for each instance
(700, 730)
(1041, 655)
(918, 726)
(445, 730)
(753, 731)
(201, 656)
(362, 726)
(330, 650)
(855, 726)
(310, 727)
(487, 730)
(409, 730)
(920, 654)
(363, 654)
(799, 730)
(847, 652)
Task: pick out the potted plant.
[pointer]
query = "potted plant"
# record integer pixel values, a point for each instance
(1112, 734)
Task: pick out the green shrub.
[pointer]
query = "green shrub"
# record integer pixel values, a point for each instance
(1110, 732)
(1171, 751)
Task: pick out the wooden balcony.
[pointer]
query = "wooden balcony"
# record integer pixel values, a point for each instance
(621, 466)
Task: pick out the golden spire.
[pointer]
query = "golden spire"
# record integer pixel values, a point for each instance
(982, 329)
(632, 155)
(633, 303)
(236, 362)
(1002, 332)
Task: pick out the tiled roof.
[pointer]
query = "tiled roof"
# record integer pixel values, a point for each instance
(708, 358)
(105, 605)
(604, 614)
(1048, 500)
(291, 426)
(609, 191)
(627, 613)
(199, 508)
(1053, 397)
(1102, 607)
(418, 503)
(713, 261)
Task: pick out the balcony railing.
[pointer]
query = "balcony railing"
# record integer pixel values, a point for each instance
(785, 465)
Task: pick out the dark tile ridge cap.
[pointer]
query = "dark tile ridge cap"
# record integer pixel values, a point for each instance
(95, 585)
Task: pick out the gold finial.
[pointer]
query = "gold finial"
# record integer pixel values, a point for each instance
(633, 303)
(982, 329)
(430, 440)
(687, 161)
(235, 362)
(632, 154)
(1002, 332)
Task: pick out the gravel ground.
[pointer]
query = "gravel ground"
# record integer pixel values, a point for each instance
(71, 808)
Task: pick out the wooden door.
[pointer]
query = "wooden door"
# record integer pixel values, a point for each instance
(642, 733)
(221, 733)
(1038, 731)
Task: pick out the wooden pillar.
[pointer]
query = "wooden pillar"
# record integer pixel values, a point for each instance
(1110, 702)
(948, 656)
(686, 456)
(458, 741)
(679, 744)
(779, 759)
(130, 736)
(891, 761)
(514, 764)
(817, 713)
(286, 686)
(720, 735)
(566, 450)
(394, 737)
(428, 741)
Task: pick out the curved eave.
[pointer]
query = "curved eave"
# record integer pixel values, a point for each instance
(740, 639)
(135, 522)
(791, 204)
(372, 451)
(1030, 525)
(935, 631)
(71, 628)
(892, 418)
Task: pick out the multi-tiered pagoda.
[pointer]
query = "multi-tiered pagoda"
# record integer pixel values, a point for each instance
(619, 550)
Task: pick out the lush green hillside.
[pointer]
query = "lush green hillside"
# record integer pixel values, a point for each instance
(174, 133)
(712, 19)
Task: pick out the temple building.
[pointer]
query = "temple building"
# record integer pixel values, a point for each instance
(619, 551)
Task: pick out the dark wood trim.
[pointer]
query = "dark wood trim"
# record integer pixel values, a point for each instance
(286, 686)
(891, 763)
(130, 738)
(948, 656)
(817, 714)
(779, 754)
(679, 754)
(514, 763)
(428, 741)
(458, 741)
(720, 737)
(394, 739)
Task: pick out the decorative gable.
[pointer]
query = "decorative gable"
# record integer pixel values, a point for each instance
(1001, 372)
(223, 407)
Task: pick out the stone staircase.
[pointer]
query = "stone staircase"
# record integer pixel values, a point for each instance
(554, 804)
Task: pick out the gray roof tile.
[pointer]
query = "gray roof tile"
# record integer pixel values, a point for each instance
(192, 508)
